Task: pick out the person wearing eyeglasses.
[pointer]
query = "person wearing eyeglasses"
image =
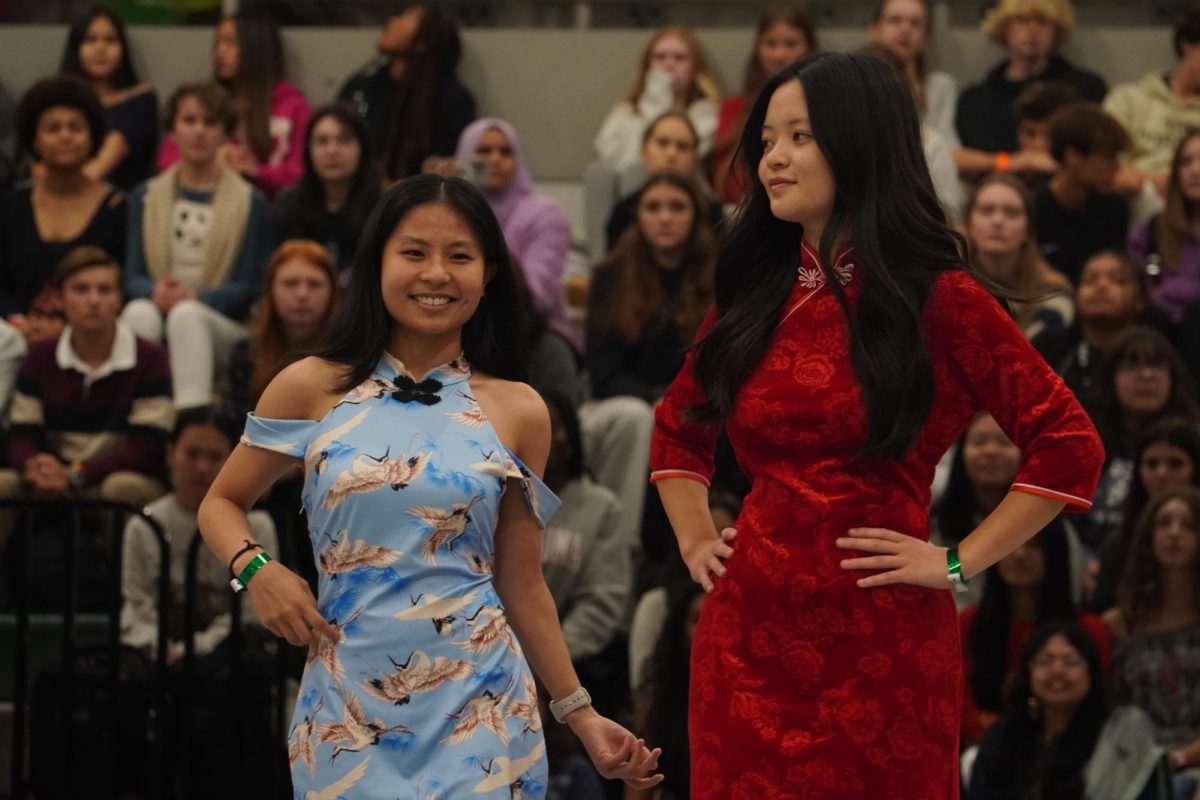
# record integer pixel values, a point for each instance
(1059, 737)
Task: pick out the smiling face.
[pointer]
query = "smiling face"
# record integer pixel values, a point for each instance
(497, 153)
(780, 45)
(432, 272)
(793, 170)
(901, 28)
(1175, 537)
(100, 51)
(665, 216)
(1058, 675)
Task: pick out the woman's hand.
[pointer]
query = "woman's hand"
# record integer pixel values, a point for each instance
(706, 559)
(896, 557)
(614, 750)
(286, 606)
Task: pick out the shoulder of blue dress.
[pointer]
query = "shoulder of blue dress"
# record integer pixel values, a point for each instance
(543, 503)
(287, 436)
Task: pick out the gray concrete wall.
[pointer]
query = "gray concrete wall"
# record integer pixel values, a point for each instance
(555, 86)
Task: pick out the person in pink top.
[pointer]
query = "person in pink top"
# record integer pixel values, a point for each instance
(268, 146)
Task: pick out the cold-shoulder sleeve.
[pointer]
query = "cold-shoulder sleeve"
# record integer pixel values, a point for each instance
(543, 503)
(678, 448)
(287, 436)
(1061, 454)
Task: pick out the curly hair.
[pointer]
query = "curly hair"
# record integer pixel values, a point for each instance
(1140, 593)
(60, 90)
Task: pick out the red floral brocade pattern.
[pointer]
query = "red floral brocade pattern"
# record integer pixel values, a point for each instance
(805, 686)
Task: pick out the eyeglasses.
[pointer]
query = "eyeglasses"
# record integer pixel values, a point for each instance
(1067, 662)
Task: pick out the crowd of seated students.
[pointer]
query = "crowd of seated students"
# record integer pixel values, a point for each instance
(150, 290)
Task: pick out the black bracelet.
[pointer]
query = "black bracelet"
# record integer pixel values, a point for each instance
(249, 546)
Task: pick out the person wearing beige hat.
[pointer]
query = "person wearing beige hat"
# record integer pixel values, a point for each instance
(1031, 32)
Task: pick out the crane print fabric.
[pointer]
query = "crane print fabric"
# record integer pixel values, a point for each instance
(427, 693)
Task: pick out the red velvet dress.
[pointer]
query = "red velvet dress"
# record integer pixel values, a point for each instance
(805, 686)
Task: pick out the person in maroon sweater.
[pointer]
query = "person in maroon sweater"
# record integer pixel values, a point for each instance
(92, 410)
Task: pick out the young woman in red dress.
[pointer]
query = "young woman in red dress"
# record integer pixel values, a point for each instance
(850, 344)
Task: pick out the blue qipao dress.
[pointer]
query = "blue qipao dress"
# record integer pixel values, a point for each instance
(427, 694)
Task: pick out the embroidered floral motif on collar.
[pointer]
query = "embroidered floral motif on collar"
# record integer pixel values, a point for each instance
(810, 274)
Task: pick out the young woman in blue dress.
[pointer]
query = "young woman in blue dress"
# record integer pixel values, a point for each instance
(429, 340)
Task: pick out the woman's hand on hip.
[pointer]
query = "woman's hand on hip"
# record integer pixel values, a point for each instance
(286, 606)
(706, 559)
(895, 558)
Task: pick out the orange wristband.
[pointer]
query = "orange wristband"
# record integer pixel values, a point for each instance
(1003, 161)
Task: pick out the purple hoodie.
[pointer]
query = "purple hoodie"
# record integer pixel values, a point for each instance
(1177, 288)
(535, 228)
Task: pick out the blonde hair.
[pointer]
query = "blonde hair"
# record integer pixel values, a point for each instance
(703, 85)
(1059, 12)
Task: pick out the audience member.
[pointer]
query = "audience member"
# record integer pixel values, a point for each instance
(1077, 214)
(97, 51)
(674, 76)
(92, 410)
(411, 98)
(1108, 302)
(1167, 457)
(196, 238)
(902, 26)
(1030, 31)
(660, 708)
(339, 187)
(783, 35)
(1168, 245)
(267, 145)
(1144, 381)
(1033, 108)
(298, 301)
(8, 141)
(669, 145)
(586, 554)
(535, 227)
(646, 301)
(1002, 242)
(1023, 591)
(200, 442)
(61, 125)
(1160, 108)
(1156, 624)
(1059, 739)
(12, 353)
(984, 465)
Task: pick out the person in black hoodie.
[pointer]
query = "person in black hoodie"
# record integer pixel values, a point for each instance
(1031, 32)
(411, 99)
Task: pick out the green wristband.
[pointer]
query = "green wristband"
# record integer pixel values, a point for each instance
(954, 570)
(259, 561)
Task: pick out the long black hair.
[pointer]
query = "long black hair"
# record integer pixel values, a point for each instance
(432, 62)
(308, 203)
(124, 75)
(865, 123)
(494, 339)
(989, 635)
(1018, 735)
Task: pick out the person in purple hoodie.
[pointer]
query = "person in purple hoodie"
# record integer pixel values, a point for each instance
(267, 147)
(535, 226)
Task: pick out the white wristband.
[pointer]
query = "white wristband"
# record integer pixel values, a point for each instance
(572, 702)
